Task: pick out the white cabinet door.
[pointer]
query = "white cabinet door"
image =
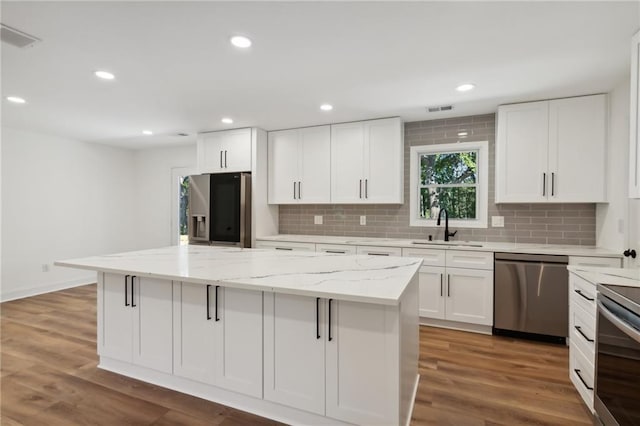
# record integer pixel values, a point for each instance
(294, 351)
(577, 149)
(431, 292)
(237, 150)
(347, 163)
(238, 339)
(469, 296)
(210, 152)
(115, 334)
(634, 131)
(283, 167)
(315, 165)
(225, 151)
(384, 160)
(153, 323)
(521, 153)
(354, 326)
(193, 340)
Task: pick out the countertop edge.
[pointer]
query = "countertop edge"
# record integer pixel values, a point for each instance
(244, 286)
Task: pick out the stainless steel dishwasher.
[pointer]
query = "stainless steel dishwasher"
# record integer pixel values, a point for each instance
(531, 296)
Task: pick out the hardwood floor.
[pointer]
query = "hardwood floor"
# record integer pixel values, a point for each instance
(48, 376)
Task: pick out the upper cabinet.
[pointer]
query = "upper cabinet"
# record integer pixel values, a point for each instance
(552, 151)
(224, 151)
(634, 131)
(299, 166)
(367, 162)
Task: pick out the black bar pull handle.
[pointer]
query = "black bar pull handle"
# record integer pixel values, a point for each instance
(360, 188)
(133, 304)
(577, 327)
(208, 309)
(294, 190)
(590, 299)
(126, 300)
(544, 184)
(317, 317)
(217, 318)
(220, 159)
(225, 159)
(441, 278)
(299, 186)
(448, 285)
(553, 184)
(366, 188)
(330, 338)
(582, 380)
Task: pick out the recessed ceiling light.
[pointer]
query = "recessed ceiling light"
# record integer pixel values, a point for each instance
(105, 75)
(227, 120)
(16, 100)
(241, 42)
(326, 107)
(147, 132)
(465, 87)
(462, 134)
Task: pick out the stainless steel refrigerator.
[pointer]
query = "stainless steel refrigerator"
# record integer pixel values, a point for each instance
(219, 209)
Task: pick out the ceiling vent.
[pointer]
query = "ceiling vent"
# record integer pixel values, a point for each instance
(440, 108)
(16, 38)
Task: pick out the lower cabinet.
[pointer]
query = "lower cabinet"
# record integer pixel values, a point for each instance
(218, 336)
(136, 320)
(314, 358)
(453, 293)
(582, 336)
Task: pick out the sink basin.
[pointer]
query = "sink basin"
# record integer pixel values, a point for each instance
(446, 243)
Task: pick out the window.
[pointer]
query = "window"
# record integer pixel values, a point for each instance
(452, 177)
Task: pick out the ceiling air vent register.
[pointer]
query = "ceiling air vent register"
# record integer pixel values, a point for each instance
(16, 37)
(440, 108)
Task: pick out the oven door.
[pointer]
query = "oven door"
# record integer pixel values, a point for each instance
(617, 399)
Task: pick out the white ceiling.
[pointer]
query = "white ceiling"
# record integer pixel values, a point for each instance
(176, 71)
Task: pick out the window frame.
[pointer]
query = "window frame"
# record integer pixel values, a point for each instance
(482, 193)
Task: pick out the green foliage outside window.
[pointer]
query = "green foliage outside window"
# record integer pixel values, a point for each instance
(184, 203)
(449, 180)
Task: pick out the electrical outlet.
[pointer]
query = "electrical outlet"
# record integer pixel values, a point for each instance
(497, 221)
(45, 267)
(317, 220)
(363, 220)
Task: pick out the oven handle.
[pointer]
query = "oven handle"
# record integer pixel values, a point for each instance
(627, 329)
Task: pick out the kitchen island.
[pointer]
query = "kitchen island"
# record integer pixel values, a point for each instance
(303, 338)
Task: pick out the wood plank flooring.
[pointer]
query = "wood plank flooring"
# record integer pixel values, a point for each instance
(48, 376)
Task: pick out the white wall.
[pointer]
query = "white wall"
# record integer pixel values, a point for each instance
(611, 218)
(61, 199)
(154, 192)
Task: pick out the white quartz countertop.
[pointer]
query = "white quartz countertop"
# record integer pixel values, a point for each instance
(372, 279)
(554, 249)
(615, 276)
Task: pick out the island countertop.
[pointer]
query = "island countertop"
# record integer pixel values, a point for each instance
(371, 279)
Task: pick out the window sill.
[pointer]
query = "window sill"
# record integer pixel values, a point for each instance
(452, 223)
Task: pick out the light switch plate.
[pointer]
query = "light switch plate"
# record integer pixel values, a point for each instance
(317, 220)
(363, 220)
(497, 221)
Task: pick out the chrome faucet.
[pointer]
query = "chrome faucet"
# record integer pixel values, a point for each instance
(447, 234)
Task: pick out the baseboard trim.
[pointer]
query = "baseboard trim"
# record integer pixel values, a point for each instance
(34, 291)
(455, 325)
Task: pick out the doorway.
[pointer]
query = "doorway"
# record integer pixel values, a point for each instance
(180, 204)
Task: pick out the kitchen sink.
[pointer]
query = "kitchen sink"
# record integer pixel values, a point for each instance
(446, 243)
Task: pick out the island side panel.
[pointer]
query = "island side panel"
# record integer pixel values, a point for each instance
(409, 348)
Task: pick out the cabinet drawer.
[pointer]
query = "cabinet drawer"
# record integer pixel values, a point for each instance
(336, 248)
(583, 293)
(581, 372)
(289, 246)
(601, 262)
(379, 251)
(583, 331)
(469, 259)
(430, 257)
